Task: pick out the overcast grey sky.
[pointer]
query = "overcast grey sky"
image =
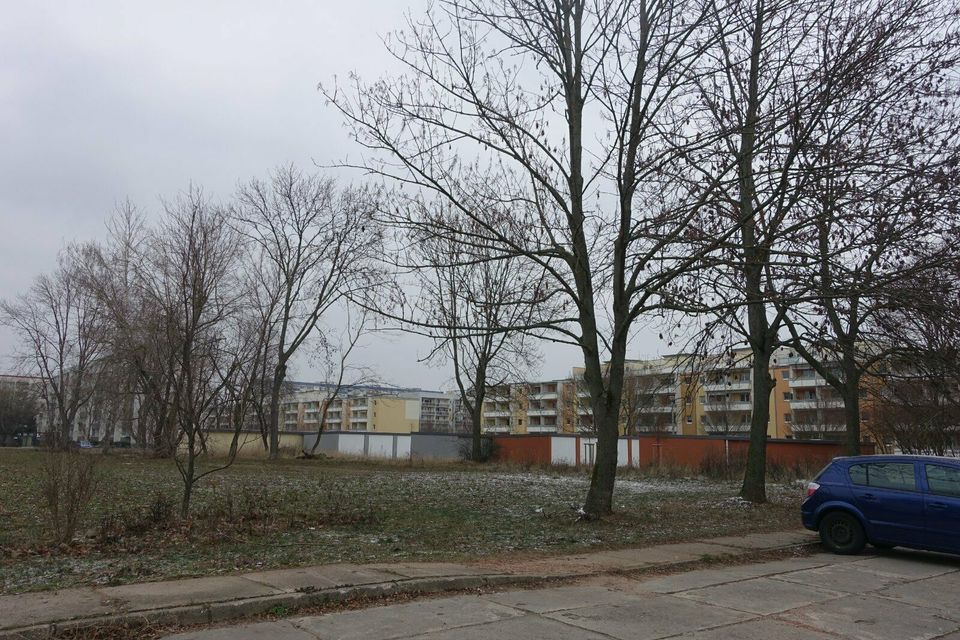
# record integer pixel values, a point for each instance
(101, 101)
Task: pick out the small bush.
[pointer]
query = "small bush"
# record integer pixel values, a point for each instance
(718, 465)
(489, 449)
(69, 483)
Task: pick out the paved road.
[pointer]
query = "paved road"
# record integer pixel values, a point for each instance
(899, 595)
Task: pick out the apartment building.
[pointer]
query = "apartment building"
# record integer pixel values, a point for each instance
(815, 408)
(368, 409)
(677, 394)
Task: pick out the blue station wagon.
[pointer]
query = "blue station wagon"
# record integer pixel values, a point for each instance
(888, 501)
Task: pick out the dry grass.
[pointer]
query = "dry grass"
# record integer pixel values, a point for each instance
(266, 515)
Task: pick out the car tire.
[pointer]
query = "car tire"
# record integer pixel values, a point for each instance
(842, 533)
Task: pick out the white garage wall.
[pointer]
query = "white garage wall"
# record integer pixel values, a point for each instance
(351, 444)
(380, 446)
(563, 451)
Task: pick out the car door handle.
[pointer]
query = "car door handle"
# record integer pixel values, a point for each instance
(869, 497)
(937, 506)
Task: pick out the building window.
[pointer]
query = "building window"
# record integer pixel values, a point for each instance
(689, 419)
(788, 418)
(786, 374)
(788, 395)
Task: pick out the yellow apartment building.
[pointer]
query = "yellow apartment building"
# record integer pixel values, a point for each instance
(407, 411)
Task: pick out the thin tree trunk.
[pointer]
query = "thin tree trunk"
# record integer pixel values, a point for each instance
(851, 406)
(754, 479)
(754, 486)
(476, 421)
(279, 374)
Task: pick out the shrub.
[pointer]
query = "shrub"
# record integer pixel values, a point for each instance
(69, 483)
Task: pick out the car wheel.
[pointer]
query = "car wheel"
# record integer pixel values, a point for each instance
(841, 533)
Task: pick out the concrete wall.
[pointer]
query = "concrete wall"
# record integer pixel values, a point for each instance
(438, 446)
(391, 446)
(250, 445)
(686, 451)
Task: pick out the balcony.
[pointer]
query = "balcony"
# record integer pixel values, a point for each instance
(542, 428)
(816, 427)
(832, 403)
(544, 395)
(500, 428)
(717, 429)
(542, 411)
(740, 385)
(728, 406)
(807, 381)
(499, 413)
(657, 408)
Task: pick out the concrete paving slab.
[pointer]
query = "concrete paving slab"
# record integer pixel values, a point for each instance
(404, 620)
(560, 598)
(51, 606)
(941, 592)
(872, 618)
(177, 593)
(530, 627)
(710, 577)
(320, 577)
(762, 596)
(911, 565)
(852, 577)
(761, 629)
(427, 569)
(663, 554)
(759, 541)
(650, 618)
(275, 630)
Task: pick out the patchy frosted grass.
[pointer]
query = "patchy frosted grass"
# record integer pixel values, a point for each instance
(258, 515)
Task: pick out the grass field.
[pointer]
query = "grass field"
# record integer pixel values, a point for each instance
(266, 515)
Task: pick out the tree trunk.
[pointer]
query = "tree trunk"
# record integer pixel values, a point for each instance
(476, 423)
(279, 374)
(188, 476)
(599, 500)
(754, 486)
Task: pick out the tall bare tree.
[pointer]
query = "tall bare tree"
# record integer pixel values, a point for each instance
(470, 299)
(62, 335)
(319, 245)
(784, 74)
(883, 194)
(568, 118)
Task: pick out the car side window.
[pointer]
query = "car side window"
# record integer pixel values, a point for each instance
(944, 481)
(884, 475)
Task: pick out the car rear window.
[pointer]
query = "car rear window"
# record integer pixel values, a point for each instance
(944, 481)
(884, 475)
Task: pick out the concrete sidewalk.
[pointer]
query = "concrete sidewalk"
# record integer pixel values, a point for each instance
(218, 599)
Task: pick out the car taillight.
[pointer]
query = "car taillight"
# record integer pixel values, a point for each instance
(812, 488)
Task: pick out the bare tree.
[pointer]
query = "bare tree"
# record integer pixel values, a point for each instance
(335, 355)
(568, 118)
(787, 77)
(19, 406)
(61, 329)
(914, 399)
(191, 274)
(470, 299)
(319, 246)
